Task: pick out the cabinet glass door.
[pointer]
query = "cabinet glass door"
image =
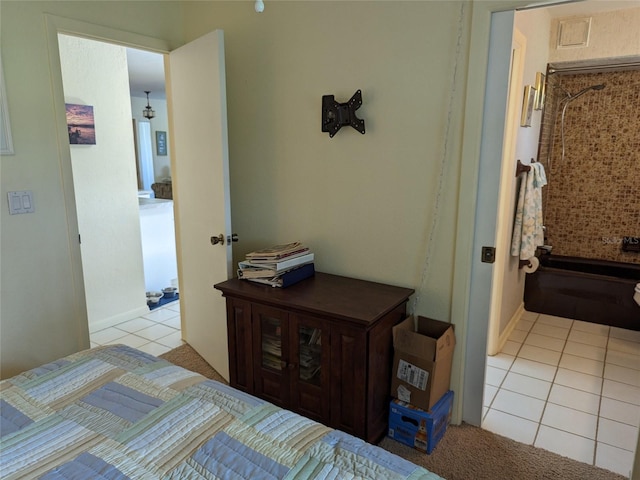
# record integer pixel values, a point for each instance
(310, 354)
(271, 329)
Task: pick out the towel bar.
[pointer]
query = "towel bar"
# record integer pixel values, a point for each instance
(521, 167)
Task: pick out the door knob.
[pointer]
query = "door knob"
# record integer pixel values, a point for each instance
(217, 240)
(232, 238)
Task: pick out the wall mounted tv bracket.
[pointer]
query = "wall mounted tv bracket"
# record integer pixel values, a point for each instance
(335, 115)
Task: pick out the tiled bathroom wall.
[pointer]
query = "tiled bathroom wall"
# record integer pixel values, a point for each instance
(592, 200)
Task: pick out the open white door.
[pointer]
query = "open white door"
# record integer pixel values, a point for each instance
(197, 107)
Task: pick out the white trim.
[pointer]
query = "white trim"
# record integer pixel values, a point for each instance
(100, 33)
(504, 220)
(471, 359)
(119, 318)
(506, 333)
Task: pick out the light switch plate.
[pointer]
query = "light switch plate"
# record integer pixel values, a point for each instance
(20, 202)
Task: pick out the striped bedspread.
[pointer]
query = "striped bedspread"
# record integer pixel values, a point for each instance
(116, 413)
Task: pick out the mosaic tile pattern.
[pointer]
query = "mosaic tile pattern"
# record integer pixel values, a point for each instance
(593, 198)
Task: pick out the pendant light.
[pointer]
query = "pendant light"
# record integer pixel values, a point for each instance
(148, 112)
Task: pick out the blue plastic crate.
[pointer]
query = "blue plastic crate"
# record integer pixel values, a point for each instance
(417, 428)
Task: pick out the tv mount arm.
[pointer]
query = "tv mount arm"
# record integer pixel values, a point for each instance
(335, 115)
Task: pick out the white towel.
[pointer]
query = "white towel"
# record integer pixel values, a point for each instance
(539, 178)
(527, 229)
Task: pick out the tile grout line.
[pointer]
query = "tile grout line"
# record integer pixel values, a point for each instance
(604, 364)
(553, 382)
(135, 333)
(509, 369)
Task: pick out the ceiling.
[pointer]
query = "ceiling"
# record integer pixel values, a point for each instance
(146, 69)
(146, 72)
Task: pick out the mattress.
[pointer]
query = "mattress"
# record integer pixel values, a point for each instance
(116, 413)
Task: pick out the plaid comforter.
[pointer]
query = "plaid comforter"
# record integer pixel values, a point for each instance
(117, 413)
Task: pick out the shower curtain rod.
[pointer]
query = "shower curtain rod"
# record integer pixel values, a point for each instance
(590, 68)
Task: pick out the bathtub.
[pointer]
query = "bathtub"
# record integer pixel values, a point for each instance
(596, 291)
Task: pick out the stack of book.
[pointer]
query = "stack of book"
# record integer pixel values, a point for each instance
(278, 266)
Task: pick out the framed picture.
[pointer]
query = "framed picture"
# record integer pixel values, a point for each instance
(527, 105)
(540, 91)
(6, 143)
(161, 142)
(80, 124)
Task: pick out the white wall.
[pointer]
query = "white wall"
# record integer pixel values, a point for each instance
(158, 243)
(161, 163)
(104, 176)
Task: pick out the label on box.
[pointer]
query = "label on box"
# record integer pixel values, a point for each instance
(414, 376)
(404, 394)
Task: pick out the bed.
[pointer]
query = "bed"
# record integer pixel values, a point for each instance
(115, 412)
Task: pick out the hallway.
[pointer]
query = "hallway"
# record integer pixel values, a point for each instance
(156, 332)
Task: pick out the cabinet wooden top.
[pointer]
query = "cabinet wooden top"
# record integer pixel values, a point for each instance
(324, 294)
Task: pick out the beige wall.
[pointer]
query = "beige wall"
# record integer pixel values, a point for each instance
(364, 203)
(372, 206)
(396, 205)
(42, 316)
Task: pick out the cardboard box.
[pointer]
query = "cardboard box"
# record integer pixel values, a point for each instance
(417, 428)
(423, 353)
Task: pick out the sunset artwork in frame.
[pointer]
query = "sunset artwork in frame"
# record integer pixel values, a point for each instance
(80, 124)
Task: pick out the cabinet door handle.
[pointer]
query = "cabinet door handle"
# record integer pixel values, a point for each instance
(288, 366)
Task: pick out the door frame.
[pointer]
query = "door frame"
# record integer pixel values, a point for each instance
(478, 204)
(55, 25)
(466, 255)
(505, 217)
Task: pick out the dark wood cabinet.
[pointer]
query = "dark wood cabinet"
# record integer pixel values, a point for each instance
(321, 347)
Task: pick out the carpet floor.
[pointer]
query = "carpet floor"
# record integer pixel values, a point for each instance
(465, 452)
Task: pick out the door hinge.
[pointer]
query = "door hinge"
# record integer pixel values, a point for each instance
(488, 254)
(79, 239)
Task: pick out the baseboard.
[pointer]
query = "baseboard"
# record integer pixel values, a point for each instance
(506, 333)
(119, 318)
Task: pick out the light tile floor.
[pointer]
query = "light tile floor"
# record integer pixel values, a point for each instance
(156, 332)
(569, 387)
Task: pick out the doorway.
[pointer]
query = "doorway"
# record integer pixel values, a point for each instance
(121, 233)
(539, 390)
